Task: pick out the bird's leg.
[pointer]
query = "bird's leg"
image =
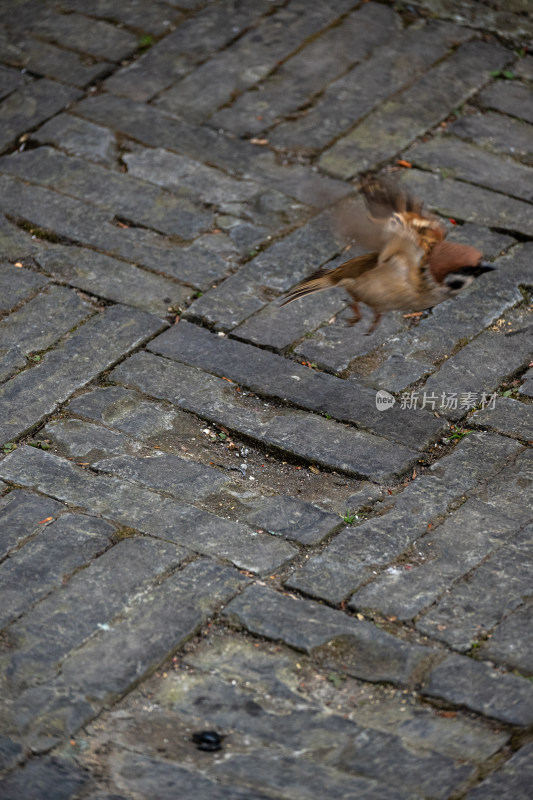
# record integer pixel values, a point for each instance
(354, 305)
(375, 322)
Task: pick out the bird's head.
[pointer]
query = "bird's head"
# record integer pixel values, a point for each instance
(456, 265)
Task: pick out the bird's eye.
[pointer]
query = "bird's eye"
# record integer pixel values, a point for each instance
(456, 284)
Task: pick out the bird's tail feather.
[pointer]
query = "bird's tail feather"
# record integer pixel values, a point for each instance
(321, 279)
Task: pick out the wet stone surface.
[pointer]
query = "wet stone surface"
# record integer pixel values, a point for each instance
(211, 528)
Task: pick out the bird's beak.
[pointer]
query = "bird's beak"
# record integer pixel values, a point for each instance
(483, 266)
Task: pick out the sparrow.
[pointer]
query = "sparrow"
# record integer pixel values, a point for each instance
(410, 266)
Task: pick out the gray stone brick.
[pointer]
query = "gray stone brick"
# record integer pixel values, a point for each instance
(295, 432)
(44, 563)
(127, 411)
(86, 224)
(462, 681)
(527, 386)
(252, 57)
(467, 612)
(303, 624)
(121, 195)
(22, 515)
(510, 97)
(398, 122)
(457, 159)
(464, 201)
(38, 324)
(510, 642)
(185, 480)
(156, 18)
(498, 20)
(79, 32)
(505, 491)
(294, 519)
(11, 753)
(508, 416)
(310, 70)
(347, 562)
(114, 280)
(146, 511)
(288, 381)
(79, 439)
(212, 28)
(43, 778)
(79, 137)
(348, 99)
(30, 105)
(513, 779)
(497, 133)
(10, 79)
(95, 346)
(95, 596)
(151, 126)
(120, 654)
(457, 546)
(484, 363)
(16, 284)
(47, 60)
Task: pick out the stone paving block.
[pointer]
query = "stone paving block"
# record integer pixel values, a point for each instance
(508, 416)
(310, 70)
(45, 59)
(79, 137)
(505, 491)
(11, 753)
(93, 347)
(127, 411)
(510, 642)
(527, 386)
(152, 127)
(44, 563)
(114, 280)
(40, 323)
(478, 686)
(156, 18)
(484, 363)
(10, 79)
(463, 540)
(464, 201)
(120, 194)
(43, 778)
(457, 159)
(185, 480)
(16, 244)
(83, 223)
(348, 99)
(22, 515)
(467, 611)
(512, 780)
(305, 625)
(299, 433)
(499, 20)
(147, 511)
(121, 654)
(294, 519)
(398, 122)
(211, 28)
(84, 440)
(154, 775)
(82, 33)
(92, 597)
(347, 561)
(30, 105)
(16, 284)
(249, 59)
(289, 381)
(497, 133)
(277, 328)
(509, 97)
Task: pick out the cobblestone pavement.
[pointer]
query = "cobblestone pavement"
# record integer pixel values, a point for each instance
(210, 525)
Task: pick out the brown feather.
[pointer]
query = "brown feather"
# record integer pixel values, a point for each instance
(447, 257)
(326, 278)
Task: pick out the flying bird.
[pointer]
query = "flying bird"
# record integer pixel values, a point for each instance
(409, 267)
